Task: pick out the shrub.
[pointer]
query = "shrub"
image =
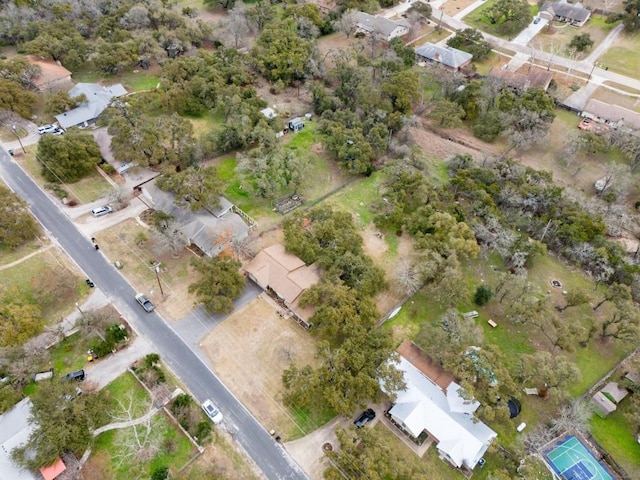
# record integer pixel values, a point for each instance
(483, 295)
(160, 473)
(107, 168)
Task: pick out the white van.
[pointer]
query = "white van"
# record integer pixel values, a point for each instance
(98, 212)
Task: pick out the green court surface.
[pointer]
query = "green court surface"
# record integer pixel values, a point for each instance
(570, 459)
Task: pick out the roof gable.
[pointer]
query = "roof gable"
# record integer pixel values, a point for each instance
(285, 274)
(98, 99)
(562, 8)
(209, 231)
(376, 24)
(449, 56)
(422, 405)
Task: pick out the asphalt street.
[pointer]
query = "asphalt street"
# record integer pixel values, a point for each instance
(270, 456)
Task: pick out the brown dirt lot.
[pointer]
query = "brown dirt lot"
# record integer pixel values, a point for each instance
(250, 350)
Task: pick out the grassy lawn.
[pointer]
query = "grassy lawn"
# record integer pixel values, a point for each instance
(133, 79)
(615, 434)
(623, 57)
(435, 468)
(164, 444)
(87, 190)
(323, 175)
(27, 275)
(560, 35)
(70, 354)
(126, 388)
(484, 66)
(120, 243)
(206, 123)
(476, 19)
(167, 444)
(309, 420)
(8, 255)
(358, 197)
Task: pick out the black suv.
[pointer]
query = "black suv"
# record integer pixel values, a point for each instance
(77, 375)
(364, 418)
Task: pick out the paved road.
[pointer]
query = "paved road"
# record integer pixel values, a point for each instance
(268, 455)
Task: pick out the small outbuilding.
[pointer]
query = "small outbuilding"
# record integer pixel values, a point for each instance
(268, 113)
(296, 124)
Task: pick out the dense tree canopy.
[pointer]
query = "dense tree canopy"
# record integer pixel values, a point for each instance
(17, 226)
(68, 158)
(281, 54)
(220, 283)
(63, 421)
(471, 40)
(19, 320)
(194, 187)
(510, 16)
(332, 240)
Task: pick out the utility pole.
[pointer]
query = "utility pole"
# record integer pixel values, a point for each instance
(157, 270)
(13, 127)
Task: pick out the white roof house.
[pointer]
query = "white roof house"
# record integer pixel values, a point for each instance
(98, 99)
(14, 432)
(446, 416)
(380, 26)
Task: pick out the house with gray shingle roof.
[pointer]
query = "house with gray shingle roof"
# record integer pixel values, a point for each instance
(380, 26)
(210, 231)
(449, 57)
(562, 11)
(15, 429)
(98, 99)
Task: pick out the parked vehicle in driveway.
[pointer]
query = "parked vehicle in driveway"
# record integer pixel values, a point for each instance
(212, 411)
(98, 212)
(46, 129)
(364, 418)
(536, 20)
(145, 302)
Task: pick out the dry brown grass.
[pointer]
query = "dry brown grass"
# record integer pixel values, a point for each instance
(118, 243)
(250, 350)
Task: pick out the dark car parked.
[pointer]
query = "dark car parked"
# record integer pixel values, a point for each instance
(78, 375)
(364, 418)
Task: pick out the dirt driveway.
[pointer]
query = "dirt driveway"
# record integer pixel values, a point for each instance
(250, 350)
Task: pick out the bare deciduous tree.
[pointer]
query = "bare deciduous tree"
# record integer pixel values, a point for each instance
(236, 25)
(347, 23)
(169, 240)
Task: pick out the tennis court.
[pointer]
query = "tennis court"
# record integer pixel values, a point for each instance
(572, 460)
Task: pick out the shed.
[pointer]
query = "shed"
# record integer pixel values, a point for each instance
(54, 470)
(268, 113)
(633, 377)
(296, 124)
(615, 392)
(603, 405)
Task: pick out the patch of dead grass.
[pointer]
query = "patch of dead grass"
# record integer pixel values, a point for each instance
(249, 352)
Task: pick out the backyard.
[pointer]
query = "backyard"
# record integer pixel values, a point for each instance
(134, 452)
(514, 340)
(249, 351)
